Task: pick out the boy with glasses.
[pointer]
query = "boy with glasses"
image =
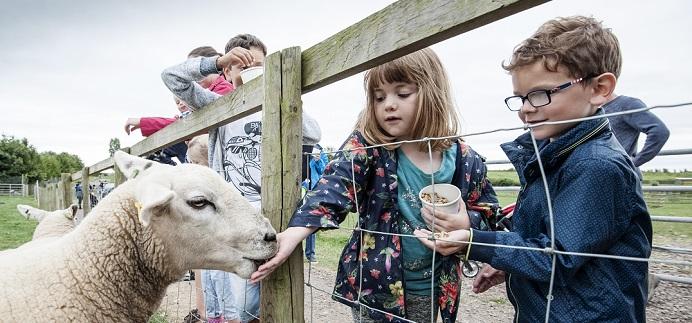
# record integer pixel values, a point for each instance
(561, 76)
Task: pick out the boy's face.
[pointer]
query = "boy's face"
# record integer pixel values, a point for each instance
(233, 74)
(573, 102)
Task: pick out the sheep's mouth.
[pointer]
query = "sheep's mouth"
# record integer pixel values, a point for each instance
(257, 261)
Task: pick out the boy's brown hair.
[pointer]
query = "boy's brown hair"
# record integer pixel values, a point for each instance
(245, 41)
(580, 44)
(204, 51)
(436, 115)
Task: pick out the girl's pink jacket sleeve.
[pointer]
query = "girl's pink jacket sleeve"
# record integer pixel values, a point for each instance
(149, 125)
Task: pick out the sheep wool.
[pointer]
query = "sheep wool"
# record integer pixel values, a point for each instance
(115, 266)
(50, 224)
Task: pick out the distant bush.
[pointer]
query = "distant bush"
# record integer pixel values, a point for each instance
(504, 182)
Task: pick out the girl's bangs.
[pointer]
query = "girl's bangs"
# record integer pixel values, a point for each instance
(390, 72)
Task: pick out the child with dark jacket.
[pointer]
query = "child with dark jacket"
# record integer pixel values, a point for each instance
(567, 70)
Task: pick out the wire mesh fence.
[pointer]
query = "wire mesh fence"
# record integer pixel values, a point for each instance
(176, 307)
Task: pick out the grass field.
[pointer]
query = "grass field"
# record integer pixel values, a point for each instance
(510, 178)
(14, 229)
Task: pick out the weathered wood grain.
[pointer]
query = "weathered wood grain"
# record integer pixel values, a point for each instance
(399, 29)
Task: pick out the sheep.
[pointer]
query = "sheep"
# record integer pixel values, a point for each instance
(115, 266)
(50, 224)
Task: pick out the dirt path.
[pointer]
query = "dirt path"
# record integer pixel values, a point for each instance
(672, 302)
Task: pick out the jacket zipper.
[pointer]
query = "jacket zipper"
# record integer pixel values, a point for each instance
(509, 285)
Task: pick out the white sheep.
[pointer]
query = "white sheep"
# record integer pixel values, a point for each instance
(50, 223)
(115, 266)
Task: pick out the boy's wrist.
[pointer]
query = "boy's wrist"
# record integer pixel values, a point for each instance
(208, 65)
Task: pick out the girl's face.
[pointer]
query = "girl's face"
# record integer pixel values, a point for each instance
(182, 107)
(395, 108)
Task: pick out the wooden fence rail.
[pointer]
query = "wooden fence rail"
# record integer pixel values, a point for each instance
(399, 29)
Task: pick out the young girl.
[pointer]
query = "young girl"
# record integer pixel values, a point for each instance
(407, 98)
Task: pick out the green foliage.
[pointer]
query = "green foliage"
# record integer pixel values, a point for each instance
(158, 317)
(52, 164)
(503, 177)
(113, 146)
(14, 229)
(17, 157)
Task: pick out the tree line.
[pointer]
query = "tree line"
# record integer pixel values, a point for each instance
(18, 157)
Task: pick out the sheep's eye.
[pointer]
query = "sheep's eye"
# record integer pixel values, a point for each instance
(199, 202)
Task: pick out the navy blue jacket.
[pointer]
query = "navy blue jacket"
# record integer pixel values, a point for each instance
(598, 208)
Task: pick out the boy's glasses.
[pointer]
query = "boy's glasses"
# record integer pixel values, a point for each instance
(538, 98)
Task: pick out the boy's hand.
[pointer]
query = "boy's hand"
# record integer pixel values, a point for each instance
(131, 125)
(237, 56)
(448, 245)
(445, 221)
(488, 277)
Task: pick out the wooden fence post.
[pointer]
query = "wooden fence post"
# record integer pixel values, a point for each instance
(119, 177)
(65, 190)
(52, 195)
(282, 292)
(86, 201)
(25, 185)
(40, 199)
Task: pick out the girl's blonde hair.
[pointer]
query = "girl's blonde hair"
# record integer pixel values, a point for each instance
(435, 116)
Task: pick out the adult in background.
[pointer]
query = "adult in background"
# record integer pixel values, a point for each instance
(318, 161)
(627, 128)
(79, 193)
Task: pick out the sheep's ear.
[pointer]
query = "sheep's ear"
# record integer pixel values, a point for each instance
(71, 211)
(154, 200)
(31, 212)
(131, 166)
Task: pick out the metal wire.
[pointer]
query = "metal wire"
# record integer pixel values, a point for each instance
(549, 250)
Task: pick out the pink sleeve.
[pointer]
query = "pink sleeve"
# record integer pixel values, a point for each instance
(149, 125)
(221, 86)
(224, 88)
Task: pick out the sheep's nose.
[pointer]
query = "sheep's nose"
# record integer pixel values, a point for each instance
(270, 236)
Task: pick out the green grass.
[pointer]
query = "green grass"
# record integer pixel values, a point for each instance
(503, 177)
(653, 178)
(510, 178)
(14, 229)
(158, 317)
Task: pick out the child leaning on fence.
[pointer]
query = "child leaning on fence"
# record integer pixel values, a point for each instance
(566, 70)
(234, 149)
(407, 98)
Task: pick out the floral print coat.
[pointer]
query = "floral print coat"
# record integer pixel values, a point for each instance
(374, 194)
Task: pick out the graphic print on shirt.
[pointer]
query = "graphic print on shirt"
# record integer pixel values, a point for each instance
(241, 161)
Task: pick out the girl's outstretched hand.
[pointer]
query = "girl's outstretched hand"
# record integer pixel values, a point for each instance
(287, 240)
(448, 243)
(488, 277)
(131, 125)
(446, 221)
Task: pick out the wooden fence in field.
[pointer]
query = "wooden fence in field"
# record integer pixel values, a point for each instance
(397, 30)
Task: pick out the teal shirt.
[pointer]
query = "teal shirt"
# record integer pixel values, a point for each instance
(417, 259)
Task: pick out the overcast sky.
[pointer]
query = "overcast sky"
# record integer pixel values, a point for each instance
(72, 72)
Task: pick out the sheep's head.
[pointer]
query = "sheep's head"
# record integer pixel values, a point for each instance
(203, 221)
(39, 215)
